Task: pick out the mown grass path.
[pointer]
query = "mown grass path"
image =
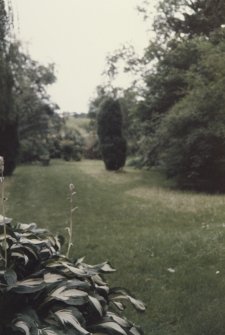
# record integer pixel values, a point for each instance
(168, 246)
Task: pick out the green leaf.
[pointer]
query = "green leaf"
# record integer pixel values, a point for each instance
(10, 277)
(69, 295)
(109, 327)
(50, 278)
(24, 326)
(67, 316)
(135, 331)
(122, 322)
(29, 286)
(96, 304)
(121, 293)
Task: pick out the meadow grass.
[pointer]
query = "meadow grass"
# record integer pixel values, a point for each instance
(168, 246)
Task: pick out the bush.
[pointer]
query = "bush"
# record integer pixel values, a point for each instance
(112, 143)
(114, 152)
(194, 142)
(71, 146)
(92, 148)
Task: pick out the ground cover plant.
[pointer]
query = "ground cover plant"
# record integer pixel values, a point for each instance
(168, 246)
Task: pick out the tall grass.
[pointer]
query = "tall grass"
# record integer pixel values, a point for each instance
(168, 246)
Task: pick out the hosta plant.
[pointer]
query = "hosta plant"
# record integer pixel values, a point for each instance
(43, 292)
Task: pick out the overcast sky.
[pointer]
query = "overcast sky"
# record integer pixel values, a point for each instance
(77, 35)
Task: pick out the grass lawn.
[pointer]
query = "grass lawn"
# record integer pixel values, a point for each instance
(168, 246)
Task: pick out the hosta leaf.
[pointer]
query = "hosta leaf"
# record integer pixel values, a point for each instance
(98, 280)
(109, 327)
(138, 304)
(20, 255)
(52, 277)
(135, 331)
(26, 226)
(10, 277)
(67, 316)
(4, 220)
(123, 294)
(92, 270)
(69, 295)
(24, 326)
(30, 249)
(96, 304)
(79, 261)
(33, 241)
(118, 305)
(29, 285)
(75, 270)
(122, 322)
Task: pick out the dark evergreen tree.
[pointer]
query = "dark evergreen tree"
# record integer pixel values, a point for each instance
(110, 131)
(8, 120)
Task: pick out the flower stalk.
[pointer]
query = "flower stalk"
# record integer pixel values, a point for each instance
(72, 209)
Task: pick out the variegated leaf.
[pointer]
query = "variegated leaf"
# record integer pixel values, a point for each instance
(66, 316)
(30, 285)
(118, 305)
(26, 226)
(123, 294)
(122, 322)
(52, 277)
(20, 255)
(96, 304)
(70, 296)
(24, 326)
(134, 331)
(111, 326)
(74, 269)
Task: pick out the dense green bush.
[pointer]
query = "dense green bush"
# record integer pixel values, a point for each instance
(71, 145)
(192, 135)
(31, 149)
(112, 143)
(92, 147)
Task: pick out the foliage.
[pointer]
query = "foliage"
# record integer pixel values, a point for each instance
(112, 142)
(38, 122)
(8, 121)
(71, 145)
(43, 292)
(193, 133)
(91, 148)
(185, 17)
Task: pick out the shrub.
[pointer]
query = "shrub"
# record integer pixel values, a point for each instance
(92, 148)
(114, 152)
(43, 292)
(194, 141)
(71, 145)
(112, 143)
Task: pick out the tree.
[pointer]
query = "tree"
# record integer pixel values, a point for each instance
(112, 142)
(191, 137)
(35, 112)
(185, 17)
(8, 120)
